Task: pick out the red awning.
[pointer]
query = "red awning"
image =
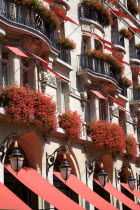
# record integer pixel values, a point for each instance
(98, 37)
(112, 50)
(89, 195)
(35, 182)
(98, 94)
(8, 200)
(120, 14)
(135, 29)
(17, 51)
(45, 64)
(66, 18)
(134, 192)
(113, 1)
(120, 196)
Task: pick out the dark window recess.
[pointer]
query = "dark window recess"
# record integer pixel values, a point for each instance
(103, 110)
(129, 195)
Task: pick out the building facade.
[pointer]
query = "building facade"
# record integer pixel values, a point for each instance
(86, 56)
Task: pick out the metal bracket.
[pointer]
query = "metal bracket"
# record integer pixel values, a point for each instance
(6, 143)
(90, 166)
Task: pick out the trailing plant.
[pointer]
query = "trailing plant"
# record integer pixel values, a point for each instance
(72, 123)
(101, 9)
(126, 33)
(22, 103)
(126, 82)
(116, 65)
(46, 14)
(131, 146)
(133, 8)
(107, 135)
(66, 43)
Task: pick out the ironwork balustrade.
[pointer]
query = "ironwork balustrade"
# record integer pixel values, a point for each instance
(136, 94)
(64, 54)
(96, 65)
(134, 52)
(89, 13)
(124, 89)
(117, 38)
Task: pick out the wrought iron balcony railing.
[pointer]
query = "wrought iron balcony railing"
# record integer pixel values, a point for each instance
(86, 12)
(123, 88)
(134, 52)
(96, 65)
(136, 94)
(117, 38)
(64, 54)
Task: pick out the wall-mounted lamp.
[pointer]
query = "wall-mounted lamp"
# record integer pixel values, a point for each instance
(121, 176)
(16, 158)
(102, 175)
(65, 168)
(138, 180)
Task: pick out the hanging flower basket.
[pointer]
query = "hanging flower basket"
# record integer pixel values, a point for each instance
(66, 43)
(47, 15)
(22, 103)
(72, 123)
(126, 82)
(126, 33)
(131, 146)
(133, 8)
(107, 135)
(101, 9)
(116, 65)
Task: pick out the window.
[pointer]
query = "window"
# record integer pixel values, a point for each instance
(62, 96)
(86, 44)
(122, 120)
(5, 68)
(103, 109)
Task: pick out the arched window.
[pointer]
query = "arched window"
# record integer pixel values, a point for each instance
(19, 189)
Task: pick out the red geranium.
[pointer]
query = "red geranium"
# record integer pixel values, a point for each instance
(131, 146)
(72, 123)
(108, 135)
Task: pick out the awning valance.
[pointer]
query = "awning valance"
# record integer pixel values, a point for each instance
(134, 192)
(89, 195)
(120, 14)
(45, 65)
(66, 18)
(112, 50)
(99, 95)
(35, 182)
(119, 195)
(17, 51)
(8, 200)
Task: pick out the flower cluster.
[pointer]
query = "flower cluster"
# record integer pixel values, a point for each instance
(126, 33)
(66, 43)
(137, 46)
(133, 8)
(108, 135)
(22, 103)
(101, 9)
(126, 82)
(36, 6)
(116, 65)
(72, 123)
(131, 146)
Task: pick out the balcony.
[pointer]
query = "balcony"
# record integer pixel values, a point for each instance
(123, 89)
(64, 54)
(118, 40)
(87, 14)
(135, 99)
(134, 55)
(96, 69)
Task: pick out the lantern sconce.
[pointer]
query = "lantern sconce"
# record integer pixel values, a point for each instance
(119, 174)
(138, 180)
(65, 168)
(102, 175)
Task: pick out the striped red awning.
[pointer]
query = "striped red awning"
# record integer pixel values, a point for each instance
(119, 195)
(35, 182)
(17, 51)
(8, 200)
(89, 195)
(120, 14)
(98, 94)
(66, 18)
(134, 192)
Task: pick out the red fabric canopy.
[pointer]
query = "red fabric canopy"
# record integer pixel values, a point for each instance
(98, 37)
(66, 18)
(134, 192)
(120, 14)
(45, 64)
(135, 29)
(8, 200)
(98, 94)
(120, 196)
(17, 51)
(110, 49)
(89, 195)
(35, 182)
